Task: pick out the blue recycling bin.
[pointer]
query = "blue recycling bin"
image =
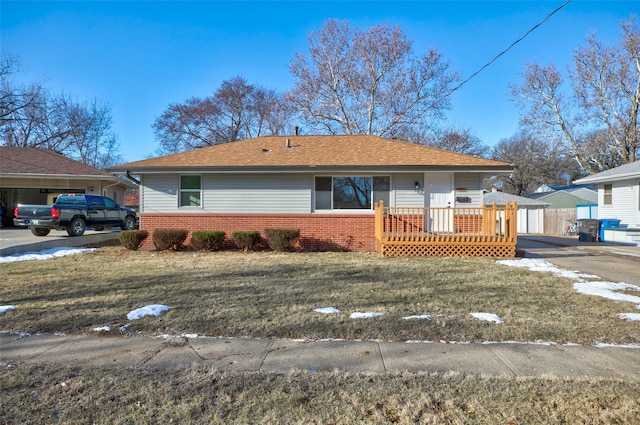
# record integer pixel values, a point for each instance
(608, 223)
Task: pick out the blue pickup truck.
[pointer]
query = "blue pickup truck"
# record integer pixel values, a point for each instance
(74, 213)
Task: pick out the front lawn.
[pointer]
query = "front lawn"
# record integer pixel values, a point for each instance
(274, 295)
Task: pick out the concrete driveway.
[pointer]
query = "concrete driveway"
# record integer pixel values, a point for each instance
(17, 240)
(611, 262)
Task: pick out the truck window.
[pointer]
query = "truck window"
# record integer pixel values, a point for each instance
(110, 203)
(70, 200)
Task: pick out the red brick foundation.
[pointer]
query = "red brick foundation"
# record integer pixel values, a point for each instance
(318, 232)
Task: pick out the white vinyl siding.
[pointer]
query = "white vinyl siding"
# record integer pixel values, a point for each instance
(404, 190)
(624, 202)
(257, 193)
(159, 193)
(469, 181)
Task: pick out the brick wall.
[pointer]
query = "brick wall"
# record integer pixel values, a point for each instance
(318, 232)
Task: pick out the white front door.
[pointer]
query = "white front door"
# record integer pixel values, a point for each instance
(438, 188)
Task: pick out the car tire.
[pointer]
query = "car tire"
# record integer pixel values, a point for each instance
(40, 231)
(76, 227)
(129, 223)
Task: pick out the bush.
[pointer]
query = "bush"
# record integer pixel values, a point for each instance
(169, 238)
(246, 240)
(208, 240)
(132, 239)
(281, 239)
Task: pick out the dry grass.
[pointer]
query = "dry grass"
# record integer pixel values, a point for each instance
(273, 295)
(43, 393)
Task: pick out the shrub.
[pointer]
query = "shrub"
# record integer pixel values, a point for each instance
(246, 240)
(132, 239)
(280, 239)
(208, 240)
(169, 238)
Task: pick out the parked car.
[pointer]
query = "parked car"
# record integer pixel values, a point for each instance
(74, 213)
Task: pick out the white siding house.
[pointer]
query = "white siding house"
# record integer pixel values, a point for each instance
(619, 198)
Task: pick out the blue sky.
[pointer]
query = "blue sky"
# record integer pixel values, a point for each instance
(140, 56)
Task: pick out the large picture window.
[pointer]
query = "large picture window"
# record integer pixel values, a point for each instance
(351, 193)
(190, 191)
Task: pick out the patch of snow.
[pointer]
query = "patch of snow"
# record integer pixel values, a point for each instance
(421, 316)
(46, 254)
(189, 335)
(629, 316)
(603, 345)
(537, 265)
(102, 329)
(489, 317)
(148, 310)
(327, 310)
(358, 315)
(123, 328)
(607, 290)
(5, 308)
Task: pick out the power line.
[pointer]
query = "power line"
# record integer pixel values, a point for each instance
(506, 50)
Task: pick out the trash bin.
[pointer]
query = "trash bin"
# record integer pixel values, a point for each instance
(608, 223)
(588, 229)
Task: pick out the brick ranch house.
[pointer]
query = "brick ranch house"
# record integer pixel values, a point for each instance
(327, 186)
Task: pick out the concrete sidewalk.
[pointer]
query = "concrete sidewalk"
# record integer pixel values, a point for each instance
(281, 356)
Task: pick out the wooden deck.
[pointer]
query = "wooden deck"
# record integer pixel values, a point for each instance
(488, 231)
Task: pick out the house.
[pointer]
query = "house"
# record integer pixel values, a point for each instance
(619, 199)
(530, 211)
(565, 205)
(327, 186)
(37, 176)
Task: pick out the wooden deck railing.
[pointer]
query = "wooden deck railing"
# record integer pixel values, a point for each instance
(485, 231)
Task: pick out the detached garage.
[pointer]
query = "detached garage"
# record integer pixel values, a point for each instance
(530, 211)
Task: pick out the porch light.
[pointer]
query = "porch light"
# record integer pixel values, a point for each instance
(417, 186)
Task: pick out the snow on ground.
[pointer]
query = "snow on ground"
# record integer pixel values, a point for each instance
(369, 314)
(421, 316)
(489, 317)
(148, 310)
(606, 290)
(5, 308)
(46, 254)
(327, 310)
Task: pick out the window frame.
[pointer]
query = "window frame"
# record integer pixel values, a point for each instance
(372, 194)
(183, 191)
(607, 194)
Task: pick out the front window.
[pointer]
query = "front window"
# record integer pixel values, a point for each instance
(608, 194)
(351, 193)
(190, 191)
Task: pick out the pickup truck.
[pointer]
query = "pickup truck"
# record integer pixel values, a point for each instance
(74, 213)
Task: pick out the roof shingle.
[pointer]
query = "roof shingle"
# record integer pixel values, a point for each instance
(36, 161)
(313, 151)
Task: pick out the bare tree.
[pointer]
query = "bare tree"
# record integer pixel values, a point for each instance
(237, 110)
(598, 116)
(536, 162)
(34, 117)
(460, 140)
(368, 82)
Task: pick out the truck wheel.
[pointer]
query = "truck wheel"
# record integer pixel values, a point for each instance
(40, 231)
(76, 227)
(129, 223)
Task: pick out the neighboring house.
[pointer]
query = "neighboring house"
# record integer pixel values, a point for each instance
(530, 211)
(324, 185)
(565, 205)
(37, 176)
(619, 199)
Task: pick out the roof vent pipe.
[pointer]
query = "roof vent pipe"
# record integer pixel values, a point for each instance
(288, 144)
(295, 130)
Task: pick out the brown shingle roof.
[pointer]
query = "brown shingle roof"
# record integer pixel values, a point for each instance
(42, 162)
(313, 151)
